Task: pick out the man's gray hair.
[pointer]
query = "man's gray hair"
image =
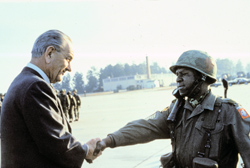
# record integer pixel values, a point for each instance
(53, 38)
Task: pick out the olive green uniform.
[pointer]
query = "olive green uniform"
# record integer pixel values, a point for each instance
(230, 136)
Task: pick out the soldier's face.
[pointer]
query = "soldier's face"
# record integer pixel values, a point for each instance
(185, 80)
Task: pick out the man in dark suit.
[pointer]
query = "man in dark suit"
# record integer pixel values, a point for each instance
(35, 132)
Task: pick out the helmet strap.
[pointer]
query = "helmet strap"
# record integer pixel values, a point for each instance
(197, 86)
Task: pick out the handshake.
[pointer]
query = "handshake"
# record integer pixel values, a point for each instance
(96, 146)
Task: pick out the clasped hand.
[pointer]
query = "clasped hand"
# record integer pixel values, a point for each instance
(96, 146)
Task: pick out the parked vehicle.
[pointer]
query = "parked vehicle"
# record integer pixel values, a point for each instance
(237, 81)
(216, 84)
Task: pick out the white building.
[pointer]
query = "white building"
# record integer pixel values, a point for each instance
(138, 81)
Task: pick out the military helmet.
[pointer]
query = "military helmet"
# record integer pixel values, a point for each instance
(63, 90)
(74, 90)
(197, 60)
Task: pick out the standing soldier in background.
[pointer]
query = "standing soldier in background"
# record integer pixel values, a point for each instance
(0, 102)
(57, 93)
(225, 85)
(64, 102)
(206, 131)
(72, 106)
(78, 104)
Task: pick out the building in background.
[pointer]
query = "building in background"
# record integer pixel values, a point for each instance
(144, 81)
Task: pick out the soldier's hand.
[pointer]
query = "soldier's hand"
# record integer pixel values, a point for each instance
(92, 145)
(101, 145)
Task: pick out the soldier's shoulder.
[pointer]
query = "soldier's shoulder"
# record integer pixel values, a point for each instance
(229, 101)
(170, 106)
(238, 108)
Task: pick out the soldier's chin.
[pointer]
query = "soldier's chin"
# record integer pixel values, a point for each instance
(182, 94)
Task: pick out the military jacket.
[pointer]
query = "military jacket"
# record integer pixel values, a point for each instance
(229, 138)
(64, 101)
(78, 100)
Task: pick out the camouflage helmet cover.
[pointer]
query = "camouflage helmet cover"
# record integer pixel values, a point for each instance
(197, 60)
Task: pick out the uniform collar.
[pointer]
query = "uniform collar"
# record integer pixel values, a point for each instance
(38, 70)
(207, 103)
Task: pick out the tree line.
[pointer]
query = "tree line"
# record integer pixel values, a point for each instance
(231, 69)
(95, 77)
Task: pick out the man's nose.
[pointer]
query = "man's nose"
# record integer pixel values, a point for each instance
(178, 79)
(69, 67)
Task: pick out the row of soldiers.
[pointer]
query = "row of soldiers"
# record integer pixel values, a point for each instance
(70, 104)
(1, 100)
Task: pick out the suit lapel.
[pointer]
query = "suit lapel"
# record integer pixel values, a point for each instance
(64, 120)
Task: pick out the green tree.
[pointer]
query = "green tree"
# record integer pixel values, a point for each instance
(239, 67)
(92, 80)
(66, 82)
(248, 67)
(118, 70)
(224, 66)
(128, 70)
(105, 73)
(156, 69)
(141, 68)
(78, 82)
(58, 86)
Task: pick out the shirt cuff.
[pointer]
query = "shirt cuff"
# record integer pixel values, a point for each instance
(86, 148)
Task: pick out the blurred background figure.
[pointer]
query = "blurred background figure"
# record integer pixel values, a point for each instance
(64, 102)
(1, 98)
(78, 104)
(225, 85)
(72, 105)
(1, 101)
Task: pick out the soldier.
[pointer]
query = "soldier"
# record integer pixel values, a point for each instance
(225, 85)
(1, 100)
(71, 106)
(64, 102)
(57, 93)
(1, 95)
(206, 130)
(78, 104)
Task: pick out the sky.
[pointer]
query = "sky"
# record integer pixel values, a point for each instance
(124, 31)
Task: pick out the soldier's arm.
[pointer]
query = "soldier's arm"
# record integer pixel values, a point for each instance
(240, 126)
(140, 131)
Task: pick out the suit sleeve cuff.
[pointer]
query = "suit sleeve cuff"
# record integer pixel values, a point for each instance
(86, 148)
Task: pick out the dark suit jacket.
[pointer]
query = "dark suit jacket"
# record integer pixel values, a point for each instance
(35, 133)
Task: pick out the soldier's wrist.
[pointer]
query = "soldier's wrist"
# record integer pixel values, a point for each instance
(109, 141)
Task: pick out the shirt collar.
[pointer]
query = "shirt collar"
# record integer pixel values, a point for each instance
(207, 103)
(37, 69)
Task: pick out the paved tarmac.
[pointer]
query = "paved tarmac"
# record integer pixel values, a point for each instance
(103, 114)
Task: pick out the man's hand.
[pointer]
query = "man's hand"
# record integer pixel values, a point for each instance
(92, 145)
(101, 145)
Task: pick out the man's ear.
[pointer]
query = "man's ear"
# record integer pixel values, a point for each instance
(48, 54)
